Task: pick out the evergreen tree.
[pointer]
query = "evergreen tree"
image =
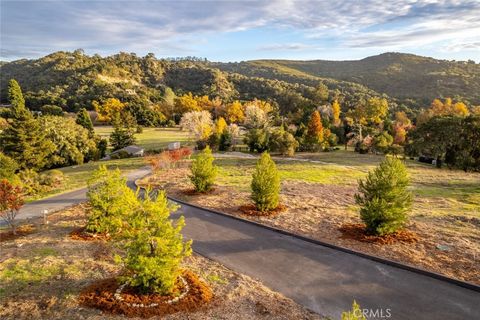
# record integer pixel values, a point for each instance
(383, 197)
(24, 140)
(124, 130)
(109, 198)
(265, 184)
(203, 171)
(84, 120)
(154, 246)
(15, 96)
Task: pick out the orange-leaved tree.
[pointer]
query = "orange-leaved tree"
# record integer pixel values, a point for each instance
(11, 200)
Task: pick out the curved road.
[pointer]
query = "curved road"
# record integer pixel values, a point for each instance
(322, 279)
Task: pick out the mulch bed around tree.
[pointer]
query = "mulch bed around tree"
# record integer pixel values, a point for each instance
(356, 231)
(193, 192)
(21, 232)
(82, 234)
(251, 210)
(101, 295)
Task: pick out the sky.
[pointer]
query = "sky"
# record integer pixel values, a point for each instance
(242, 30)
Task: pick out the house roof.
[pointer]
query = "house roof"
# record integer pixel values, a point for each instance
(130, 149)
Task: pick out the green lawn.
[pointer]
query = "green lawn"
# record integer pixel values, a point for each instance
(152, 138)
(77, 176)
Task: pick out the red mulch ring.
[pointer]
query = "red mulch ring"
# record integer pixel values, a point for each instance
(100, 295)
(20, 232)
(251, 210)
(356, 231)
(83, 235)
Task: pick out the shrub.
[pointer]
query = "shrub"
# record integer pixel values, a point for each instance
(52, 178)
(11, 200)
(203, 171)
(51, 110)
(284, 142)
(122, 154)
(383, 197)
(257, 140)
(109, 197)
(8, 166)
(30, 182)
(225, 143)
(355, 314)
(154, 246)
(265, 184)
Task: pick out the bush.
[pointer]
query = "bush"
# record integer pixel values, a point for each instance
(109, 197)
(384, 199)
(31, 182)
(257, 140)
(284, 142)
(51, 110)
(265, 184)
(154, 246)
(52, 178)
(11, 200)
(122, 154)
(203, 171)
(8, 167)
(225, 141)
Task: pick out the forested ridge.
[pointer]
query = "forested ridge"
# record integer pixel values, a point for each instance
(402, 76)
(73, 80)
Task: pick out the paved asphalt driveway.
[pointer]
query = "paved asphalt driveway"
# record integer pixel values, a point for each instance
(324, 280)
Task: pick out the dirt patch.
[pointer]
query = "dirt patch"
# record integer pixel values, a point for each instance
(83, 235)
(101, 295)
(448, 245)
(356, 231)
(250, 209)
(21, 231)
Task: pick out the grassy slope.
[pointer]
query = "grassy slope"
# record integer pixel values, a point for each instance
(151, 138)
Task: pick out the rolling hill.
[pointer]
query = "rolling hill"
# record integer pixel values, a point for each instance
(399, 75)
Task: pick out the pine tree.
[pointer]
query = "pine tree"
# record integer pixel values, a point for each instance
(265, 184)
(24, 140)
(84, 120)
(15, 96)
(123, 134)
(154, 246)
(203, 171)
(384, 199)
(109, 198)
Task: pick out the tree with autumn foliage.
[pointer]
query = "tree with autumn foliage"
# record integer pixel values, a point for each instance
(234, 112)
(11, 200)
(336, 113)
(186, 103)
(314, 137)
(445, 108)
(109, 109)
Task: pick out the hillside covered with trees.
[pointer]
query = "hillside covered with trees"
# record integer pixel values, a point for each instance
(402, 76)
(73, 80)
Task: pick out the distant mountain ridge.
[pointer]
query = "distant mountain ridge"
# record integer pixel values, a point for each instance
(398, 75)
(73, 80)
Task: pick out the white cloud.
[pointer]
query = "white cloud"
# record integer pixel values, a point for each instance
(39, 27)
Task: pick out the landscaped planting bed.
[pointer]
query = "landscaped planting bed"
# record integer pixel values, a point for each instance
(48, 275)
(443, 233)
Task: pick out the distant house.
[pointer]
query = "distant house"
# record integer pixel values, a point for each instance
(132, 151)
